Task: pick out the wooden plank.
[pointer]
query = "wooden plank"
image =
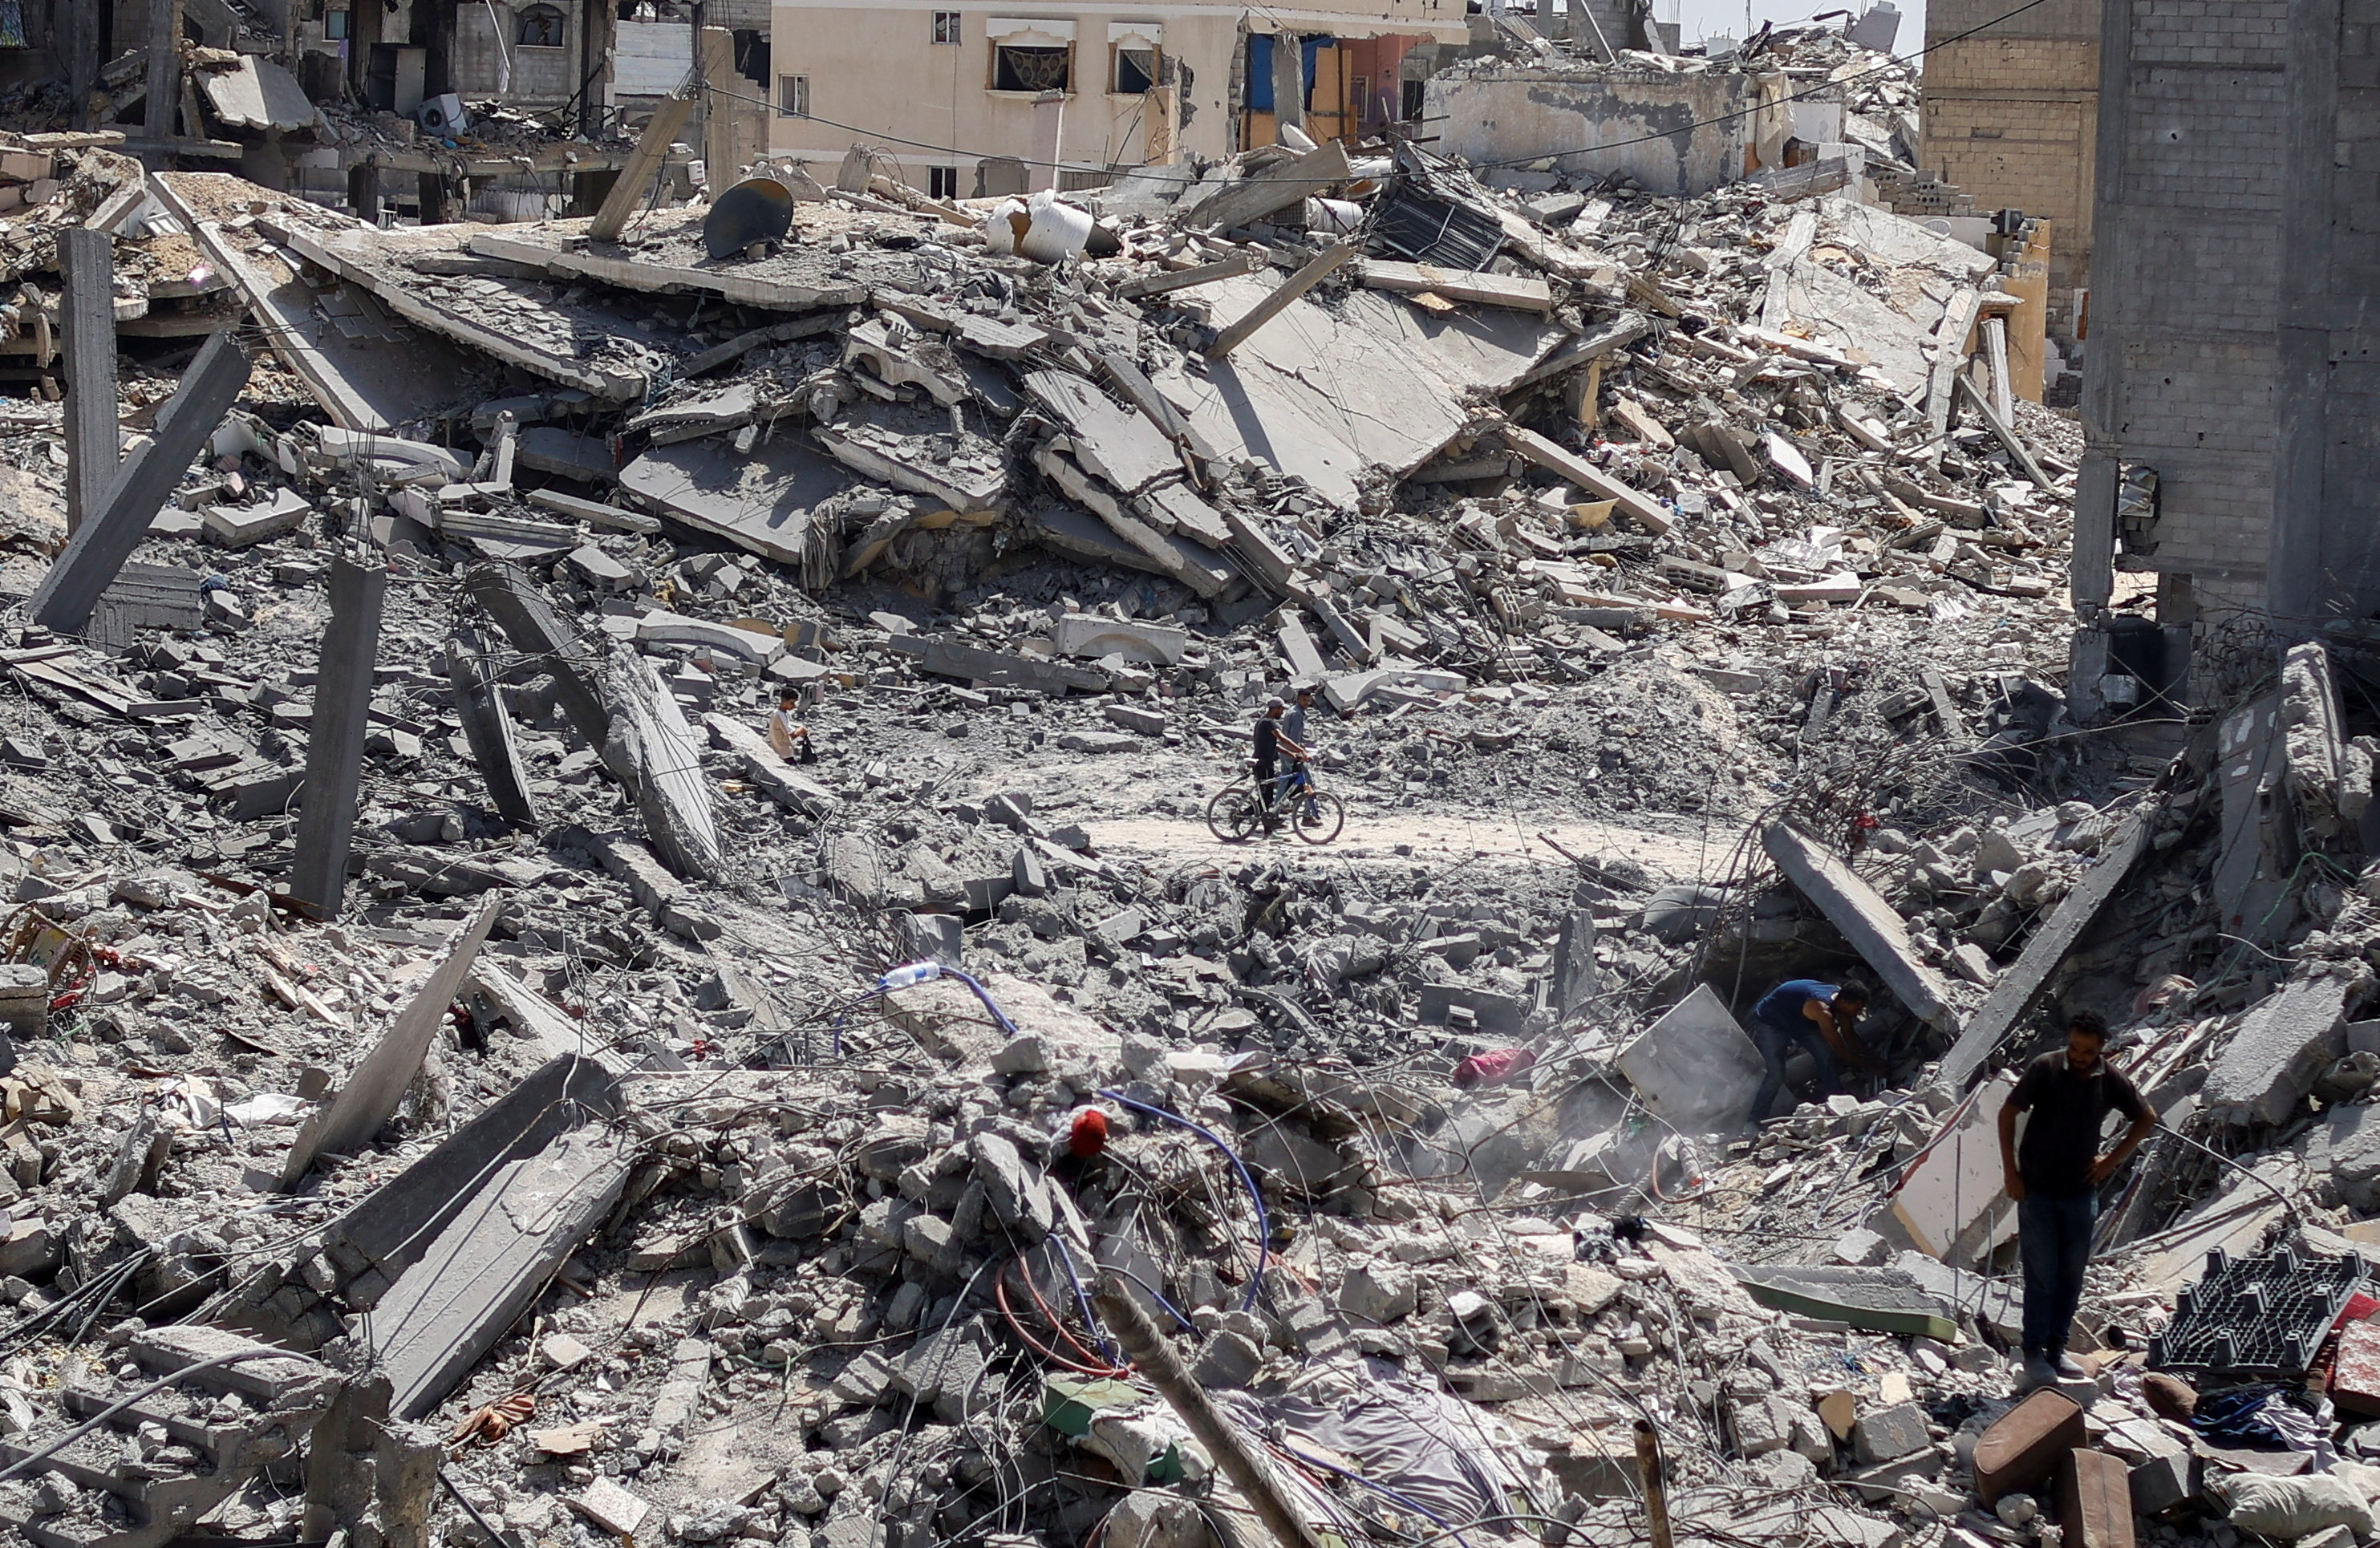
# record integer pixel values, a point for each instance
(1515, 291)
(1640, 507)
(1318, 270)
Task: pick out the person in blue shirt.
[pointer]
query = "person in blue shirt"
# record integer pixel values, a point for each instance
(1819, 1017)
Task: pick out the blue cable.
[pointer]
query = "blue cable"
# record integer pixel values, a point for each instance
(1264, 1221)
(1066, 1256)
(913, 973)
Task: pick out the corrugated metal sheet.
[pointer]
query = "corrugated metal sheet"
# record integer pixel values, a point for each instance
(653, 58)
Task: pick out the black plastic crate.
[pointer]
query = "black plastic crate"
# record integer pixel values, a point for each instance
(2262, 1316)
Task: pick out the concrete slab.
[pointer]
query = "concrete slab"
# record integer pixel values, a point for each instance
(353, 1113)
(334, 747)
(1951, 1202)
(950, 658)
(2012, 998)
(760, 501)
(1694, 1066)
(652, 749)
(1872, 1300)
(2284, 1043)
(489, 730)
(1330, 394)
(490, 1262)
(1875, 931)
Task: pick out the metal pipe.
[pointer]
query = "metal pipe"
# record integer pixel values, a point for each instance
(1648, 1474)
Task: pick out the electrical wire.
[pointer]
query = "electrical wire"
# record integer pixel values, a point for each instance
(232, 1357)
(1264, 1221)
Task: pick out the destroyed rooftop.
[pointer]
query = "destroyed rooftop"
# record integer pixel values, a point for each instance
(468, 1087)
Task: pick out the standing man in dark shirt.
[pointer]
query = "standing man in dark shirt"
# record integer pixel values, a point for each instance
(2054, 1176)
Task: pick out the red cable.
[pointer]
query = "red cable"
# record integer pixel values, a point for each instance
(999, 1294)
(1052, 1317)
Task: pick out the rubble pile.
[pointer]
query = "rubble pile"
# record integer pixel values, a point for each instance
(475, 1075)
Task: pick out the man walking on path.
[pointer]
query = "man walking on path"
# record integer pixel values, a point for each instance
(1818, 1016)
(2054, 1175)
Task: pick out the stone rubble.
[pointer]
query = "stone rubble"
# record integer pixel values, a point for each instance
(666, 1140)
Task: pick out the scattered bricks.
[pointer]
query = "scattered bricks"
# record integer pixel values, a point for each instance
(1762, 1426)
(2094, 1500)
(2024, 1446)
(2355, 1382)
(1891, 1433)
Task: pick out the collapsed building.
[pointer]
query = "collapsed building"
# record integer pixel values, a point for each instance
(469, 1086)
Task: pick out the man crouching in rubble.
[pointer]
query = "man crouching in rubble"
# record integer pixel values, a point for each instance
(2054, 1176)
(1815, 1017)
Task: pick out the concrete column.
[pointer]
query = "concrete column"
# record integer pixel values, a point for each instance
(94, 448)
(363, 191)
(2320, 557)
(2091, 575)
(717, 62)
(334, 748)
(164, 69)
(1288, 81)
(98, 548)
(82, 60)
(1049, 136)
(489, 730)
(598, 24)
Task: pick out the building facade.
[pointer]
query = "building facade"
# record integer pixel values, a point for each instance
(2012, 118)
(962, 97)
(2231, 396)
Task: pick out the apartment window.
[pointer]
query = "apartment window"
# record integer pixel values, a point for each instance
(942, 182)
(1412, 103)
(541, 26)
(793, 96)
(334, 26)
(946, 27)
(1021, 68)
(1136, 70)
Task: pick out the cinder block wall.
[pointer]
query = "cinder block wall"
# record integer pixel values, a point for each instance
(2010, 116)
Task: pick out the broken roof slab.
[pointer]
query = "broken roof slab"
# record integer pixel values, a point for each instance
(761, 500)
(1330, 393)
(519, 321)
(328, 337)
(668, 254)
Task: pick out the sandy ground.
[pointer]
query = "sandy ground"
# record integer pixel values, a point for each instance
(1439, 834)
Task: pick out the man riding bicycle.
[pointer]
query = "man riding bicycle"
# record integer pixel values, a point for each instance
(1273, 745)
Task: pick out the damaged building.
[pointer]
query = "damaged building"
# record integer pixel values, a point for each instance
(636, 907)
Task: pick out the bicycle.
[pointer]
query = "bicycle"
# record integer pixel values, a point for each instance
(1239, 809)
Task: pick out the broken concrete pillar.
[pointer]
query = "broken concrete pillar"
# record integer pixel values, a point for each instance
(334, 747)
(1875, 931)
(64, 601)
(2005, 1007)
(388, 1231)
(354, 1113)
(94, 451)
(1287, 82)
(489, 730)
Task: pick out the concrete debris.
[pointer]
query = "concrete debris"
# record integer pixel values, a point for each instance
(651, 841)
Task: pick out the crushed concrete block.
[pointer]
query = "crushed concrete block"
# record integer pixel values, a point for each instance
(1226, 1360)
(1379, 1293)
(1090, 638)
(613, 1507)
(2281, 1048)
(1891, 1433)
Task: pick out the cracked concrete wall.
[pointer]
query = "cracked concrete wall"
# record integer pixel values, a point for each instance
(1656, 128)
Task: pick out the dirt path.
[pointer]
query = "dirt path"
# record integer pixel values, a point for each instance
(1447, 834)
